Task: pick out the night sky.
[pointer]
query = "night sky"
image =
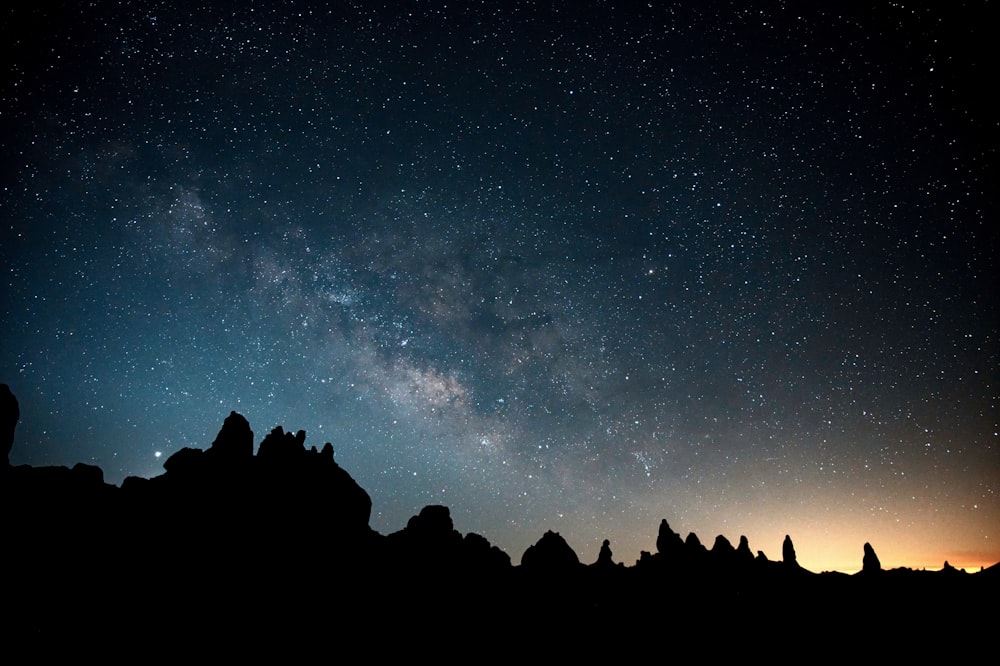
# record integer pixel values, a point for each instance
(569, 266)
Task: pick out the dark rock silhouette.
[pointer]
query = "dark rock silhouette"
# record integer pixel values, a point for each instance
(234, 443)
(604, 556)
(481, 552)
(185, 462)
(551, 554)
(434, 520)
(429, 541)
(723, 549)
(788, 552)
(668, 542)
(870, 563)
(10, 413)
(430, 556)
(283, 449)
(275, 549)
(695, 549)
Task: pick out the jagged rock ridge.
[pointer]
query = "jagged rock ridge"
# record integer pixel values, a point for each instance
(240, 534)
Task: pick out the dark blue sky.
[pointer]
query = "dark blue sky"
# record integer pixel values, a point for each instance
(574, 266)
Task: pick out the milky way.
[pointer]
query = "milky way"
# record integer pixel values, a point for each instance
(573, 266)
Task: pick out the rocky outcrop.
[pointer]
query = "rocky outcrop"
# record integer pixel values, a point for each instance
(870, 563)
(234, 443)
(10, 413)
(283, 449)
(694, 547)
(479, 551)
(723, 549)
(551, 553)
(668, 542)
(276, 545)
(430, 543)
(788, 553)
(604, 557)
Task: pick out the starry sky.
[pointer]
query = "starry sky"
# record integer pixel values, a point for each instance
(569, 266)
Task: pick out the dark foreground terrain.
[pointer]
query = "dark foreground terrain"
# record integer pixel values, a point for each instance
(232, 554)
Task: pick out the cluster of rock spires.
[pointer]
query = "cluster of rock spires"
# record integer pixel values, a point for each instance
(239, 535)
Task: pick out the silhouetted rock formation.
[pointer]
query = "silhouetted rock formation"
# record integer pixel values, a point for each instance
(275, 548)
(551, 554)
(695, 550)
(433, 520)
(234, 443)
(743, 553)
(429, 542)
(723, 546)
(604, 556)
(481, 553)
(185, 462)
(870, 563)
(429, 565)
(723, 549)
(10, 412)
(668, 542)
(788, 552)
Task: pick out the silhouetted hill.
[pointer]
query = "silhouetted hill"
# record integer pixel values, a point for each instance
(228, 548)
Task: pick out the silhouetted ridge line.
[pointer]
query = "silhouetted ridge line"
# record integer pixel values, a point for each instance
(232, 536)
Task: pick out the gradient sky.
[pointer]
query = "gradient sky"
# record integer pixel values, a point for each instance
(570, 266)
